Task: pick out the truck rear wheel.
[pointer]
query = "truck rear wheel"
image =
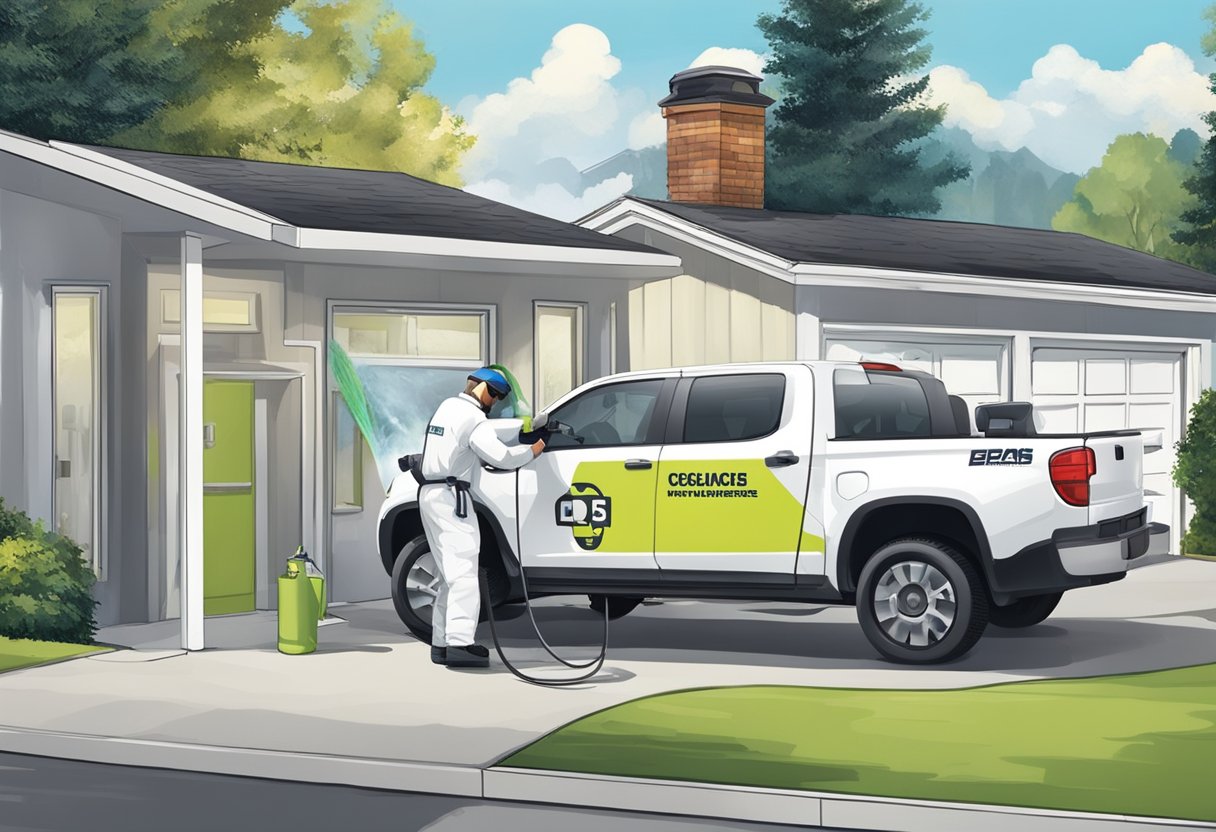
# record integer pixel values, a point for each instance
(920, 601)
(1024, 612)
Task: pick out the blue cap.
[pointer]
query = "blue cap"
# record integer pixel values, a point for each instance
(495, 380)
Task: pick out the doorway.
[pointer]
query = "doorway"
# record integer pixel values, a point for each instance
(229, 503)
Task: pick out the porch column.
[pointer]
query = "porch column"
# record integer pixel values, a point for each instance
(190, 431)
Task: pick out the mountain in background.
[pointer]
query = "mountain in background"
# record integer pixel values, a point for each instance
(1006, 188)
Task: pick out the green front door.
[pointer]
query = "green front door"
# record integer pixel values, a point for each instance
(228, 505)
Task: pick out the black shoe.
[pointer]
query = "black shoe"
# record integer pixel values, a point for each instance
(474, 655)
(439, 655)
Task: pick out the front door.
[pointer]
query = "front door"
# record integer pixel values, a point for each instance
(228, 501)
(733, 475)
(588, 501)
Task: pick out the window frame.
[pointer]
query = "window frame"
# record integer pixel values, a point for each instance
(489, 341)
(336, 507)
(98, 559)
(580, 343)
(679, 412)
(658, 417)
(170, 304)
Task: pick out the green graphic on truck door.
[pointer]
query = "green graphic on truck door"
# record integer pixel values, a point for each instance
(735, 505)
(701, 506)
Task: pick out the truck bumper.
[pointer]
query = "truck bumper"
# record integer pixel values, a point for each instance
(1076, 557)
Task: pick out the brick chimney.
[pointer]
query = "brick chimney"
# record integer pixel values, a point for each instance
(715, 137)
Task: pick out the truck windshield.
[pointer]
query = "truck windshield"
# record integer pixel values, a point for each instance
(888, 407)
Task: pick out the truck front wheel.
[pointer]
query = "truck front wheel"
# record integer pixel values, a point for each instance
(920, 601)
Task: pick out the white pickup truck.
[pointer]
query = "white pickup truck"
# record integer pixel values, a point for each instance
(817, 482)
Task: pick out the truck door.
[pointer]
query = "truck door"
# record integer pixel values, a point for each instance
(588, 502)
(733, 475)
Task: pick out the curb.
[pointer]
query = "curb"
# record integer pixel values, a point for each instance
(667, 797)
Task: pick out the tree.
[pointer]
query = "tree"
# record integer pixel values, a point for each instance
(82, 70)
(1197, 231)
(1195, 473)
(326, 82)
(1134, 198)
(845, 136)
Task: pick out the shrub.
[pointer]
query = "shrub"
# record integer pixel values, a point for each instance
(1195, 473)
(46, 588)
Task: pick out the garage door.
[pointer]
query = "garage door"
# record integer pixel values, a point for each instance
(974, 371)
(1081, 390)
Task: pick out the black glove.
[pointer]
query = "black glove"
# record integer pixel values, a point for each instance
(530, 437)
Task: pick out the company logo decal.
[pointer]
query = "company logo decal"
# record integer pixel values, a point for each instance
(714, 484)
(434, 430)
(587, 512)
(1002, 456)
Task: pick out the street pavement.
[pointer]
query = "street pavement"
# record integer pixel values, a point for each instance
(370, 691)
(48, 795)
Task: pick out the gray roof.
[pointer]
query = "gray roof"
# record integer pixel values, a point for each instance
(941, 247)
(364, 200)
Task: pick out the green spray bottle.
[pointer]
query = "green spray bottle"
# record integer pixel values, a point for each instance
(298, 607)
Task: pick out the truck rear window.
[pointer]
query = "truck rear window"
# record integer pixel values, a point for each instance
(888, 407)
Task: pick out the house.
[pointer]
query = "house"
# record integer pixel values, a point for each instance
(1095, 335)
(164, 328)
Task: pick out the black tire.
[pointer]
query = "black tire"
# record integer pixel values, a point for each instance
(417, 617)
(962, 607)
(1024, 612)
(618, 605)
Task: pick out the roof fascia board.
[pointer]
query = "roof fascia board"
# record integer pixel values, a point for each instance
(810, 274)
(332, 240)
(616, 220)
(135, 184)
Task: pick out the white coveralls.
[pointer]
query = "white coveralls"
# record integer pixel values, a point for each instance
(459, 434)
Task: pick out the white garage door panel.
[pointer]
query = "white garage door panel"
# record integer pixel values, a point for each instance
(1084, 390)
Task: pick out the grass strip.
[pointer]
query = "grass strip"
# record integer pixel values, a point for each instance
(1142, 744)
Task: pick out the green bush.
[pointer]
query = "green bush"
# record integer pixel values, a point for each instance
(1195, 473)
(46, 588)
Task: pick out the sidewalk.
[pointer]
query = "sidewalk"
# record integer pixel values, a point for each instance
(370, 709)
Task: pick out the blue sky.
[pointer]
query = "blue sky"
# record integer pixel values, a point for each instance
(481, 44)
(550, 88)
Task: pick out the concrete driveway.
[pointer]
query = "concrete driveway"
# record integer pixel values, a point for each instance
(371, 692)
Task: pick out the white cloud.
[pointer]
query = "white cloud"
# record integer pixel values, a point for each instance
(647, 130)
(753, 62)
(1070, 108)
(552, 199)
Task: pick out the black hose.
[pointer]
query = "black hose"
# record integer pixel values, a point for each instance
(594, 664)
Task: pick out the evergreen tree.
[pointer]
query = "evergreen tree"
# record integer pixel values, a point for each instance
(1198, 231)
(82, 70)
(846, 135)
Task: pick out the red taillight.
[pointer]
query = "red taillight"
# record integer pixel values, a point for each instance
(1070, 472)
(879, 365)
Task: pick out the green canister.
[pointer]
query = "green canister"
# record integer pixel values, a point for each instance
(297, 610)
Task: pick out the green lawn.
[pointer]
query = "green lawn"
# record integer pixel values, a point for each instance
(21, 652)
(1143, 744)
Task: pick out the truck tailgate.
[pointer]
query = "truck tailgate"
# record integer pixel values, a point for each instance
(1117, 487)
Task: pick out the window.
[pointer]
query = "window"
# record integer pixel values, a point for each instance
(222, 311)
(443, 336)
(888, 407)
(559, 351)
(734, 408)
(348, 458)
(78, 359)
(616, 414)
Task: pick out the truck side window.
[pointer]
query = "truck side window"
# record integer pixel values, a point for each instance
(889, 407)
(616, 414)
(734, 408)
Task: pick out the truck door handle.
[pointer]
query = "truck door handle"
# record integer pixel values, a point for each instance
(781, 459)
(637, 464)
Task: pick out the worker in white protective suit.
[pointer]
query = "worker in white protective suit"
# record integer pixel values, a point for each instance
(458, 435)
